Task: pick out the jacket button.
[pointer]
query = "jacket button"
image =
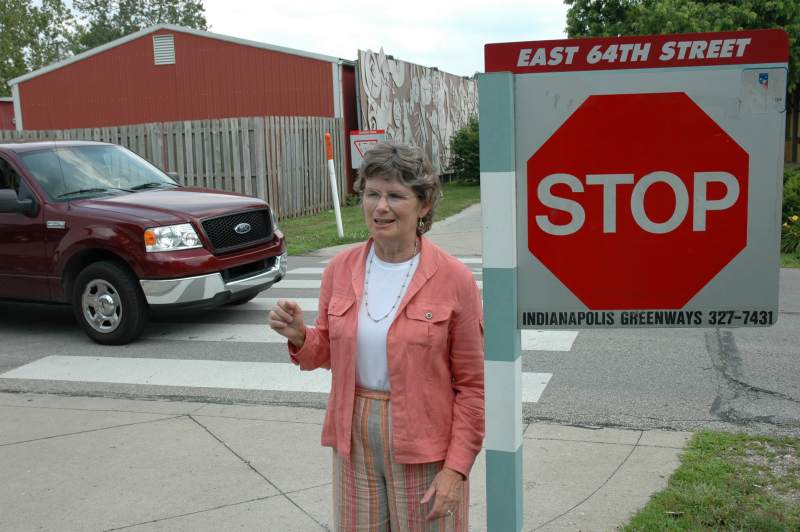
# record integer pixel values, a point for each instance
(429, 315)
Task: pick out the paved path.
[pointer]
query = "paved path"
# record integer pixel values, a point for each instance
(93, 463)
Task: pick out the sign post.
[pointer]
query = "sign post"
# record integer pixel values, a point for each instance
(503, 366)
(645, 176)
(337, 210)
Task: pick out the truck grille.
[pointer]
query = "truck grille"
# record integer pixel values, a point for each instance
(247, 270)
(223, 236)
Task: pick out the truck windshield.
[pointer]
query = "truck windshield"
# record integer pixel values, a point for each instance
(74, 172)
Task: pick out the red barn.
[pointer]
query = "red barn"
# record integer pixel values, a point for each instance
(167, 73)
(6, 113)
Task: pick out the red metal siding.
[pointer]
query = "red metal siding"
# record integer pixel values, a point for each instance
(211, 79)
(7, 115)
(350, 118)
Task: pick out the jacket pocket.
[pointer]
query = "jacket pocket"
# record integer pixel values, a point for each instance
(429, 323)
(337, 322)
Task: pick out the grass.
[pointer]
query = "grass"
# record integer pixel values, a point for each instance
(790, 261)
(729, 482)
(309, 233)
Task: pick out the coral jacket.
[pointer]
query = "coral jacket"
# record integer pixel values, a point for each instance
(435, 358)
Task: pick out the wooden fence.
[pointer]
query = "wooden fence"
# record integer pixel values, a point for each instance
(280, 159)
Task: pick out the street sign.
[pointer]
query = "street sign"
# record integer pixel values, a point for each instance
(361, 141)
(627, 193)
(649, 179)
(625, 182)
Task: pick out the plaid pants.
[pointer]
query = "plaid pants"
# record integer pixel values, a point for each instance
(374, 493)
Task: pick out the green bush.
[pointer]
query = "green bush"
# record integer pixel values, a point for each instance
(790, 232)
(351, 199)
(790, 235)
(791, 192)
(465, 158)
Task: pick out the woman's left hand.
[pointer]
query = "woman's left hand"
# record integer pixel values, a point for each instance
(447, 487)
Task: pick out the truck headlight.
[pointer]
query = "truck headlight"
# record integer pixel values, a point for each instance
(274, 220)
(171, 238)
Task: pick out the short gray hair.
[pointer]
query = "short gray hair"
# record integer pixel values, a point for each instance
(407, 164)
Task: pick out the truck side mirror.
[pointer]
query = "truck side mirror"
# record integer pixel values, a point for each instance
(9, 203)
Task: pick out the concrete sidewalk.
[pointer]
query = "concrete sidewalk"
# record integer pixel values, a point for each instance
(78, 463)
(96, 463)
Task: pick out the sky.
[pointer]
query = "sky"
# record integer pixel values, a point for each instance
(446, 34)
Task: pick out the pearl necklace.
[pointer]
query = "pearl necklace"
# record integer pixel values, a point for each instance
(402, 287)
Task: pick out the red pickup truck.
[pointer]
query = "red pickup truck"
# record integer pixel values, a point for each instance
(98, 227)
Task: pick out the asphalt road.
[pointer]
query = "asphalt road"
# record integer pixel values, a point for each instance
(682, 379)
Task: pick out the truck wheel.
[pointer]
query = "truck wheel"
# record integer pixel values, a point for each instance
(108, 303)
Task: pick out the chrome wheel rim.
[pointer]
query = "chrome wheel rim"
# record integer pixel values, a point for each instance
(102, 306)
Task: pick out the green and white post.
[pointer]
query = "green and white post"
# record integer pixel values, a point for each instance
(503, 369)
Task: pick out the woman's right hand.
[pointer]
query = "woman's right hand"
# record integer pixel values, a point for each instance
(287, 320)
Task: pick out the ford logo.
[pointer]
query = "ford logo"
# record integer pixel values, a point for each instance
(242, 228)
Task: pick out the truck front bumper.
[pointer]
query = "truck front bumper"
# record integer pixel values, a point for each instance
(210, 288)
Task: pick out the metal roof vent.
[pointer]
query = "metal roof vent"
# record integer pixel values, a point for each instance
(164, 49)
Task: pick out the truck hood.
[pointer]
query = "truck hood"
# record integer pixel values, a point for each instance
(174, 205)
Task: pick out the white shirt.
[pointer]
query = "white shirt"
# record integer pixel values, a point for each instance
(382, 285)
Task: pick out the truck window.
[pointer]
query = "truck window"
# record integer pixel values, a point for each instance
(96, 169)
(45, 168)
(8, 176)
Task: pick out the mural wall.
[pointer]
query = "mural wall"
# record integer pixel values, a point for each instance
(414, 104)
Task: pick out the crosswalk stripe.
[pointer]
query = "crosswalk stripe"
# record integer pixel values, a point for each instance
(318, 271)
(171, 372)
(274, 376)
(533, 340)
(465, 260)
(533, 384)
(315, 283)
(214, 332)
(298, 283)
(305, 271)
(261, 333)
(268, 303)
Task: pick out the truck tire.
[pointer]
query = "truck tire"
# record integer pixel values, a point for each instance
(109, 304)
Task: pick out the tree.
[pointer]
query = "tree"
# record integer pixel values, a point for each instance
(643, 17)
(103, 21)
(465, 161)
(16, 32)
(31, 37)
(54, 22)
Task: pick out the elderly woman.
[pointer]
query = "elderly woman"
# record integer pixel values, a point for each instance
(400, 326)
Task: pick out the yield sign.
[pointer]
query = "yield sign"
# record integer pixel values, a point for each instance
(361, 141)
(363, 145)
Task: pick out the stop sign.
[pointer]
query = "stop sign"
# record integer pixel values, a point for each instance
(637, 201)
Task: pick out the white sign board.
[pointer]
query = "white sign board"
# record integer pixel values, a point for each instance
(649, 178)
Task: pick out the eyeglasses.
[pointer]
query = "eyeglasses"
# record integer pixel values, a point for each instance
(373, 197)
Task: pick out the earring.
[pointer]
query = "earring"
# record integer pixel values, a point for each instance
(420, 224)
